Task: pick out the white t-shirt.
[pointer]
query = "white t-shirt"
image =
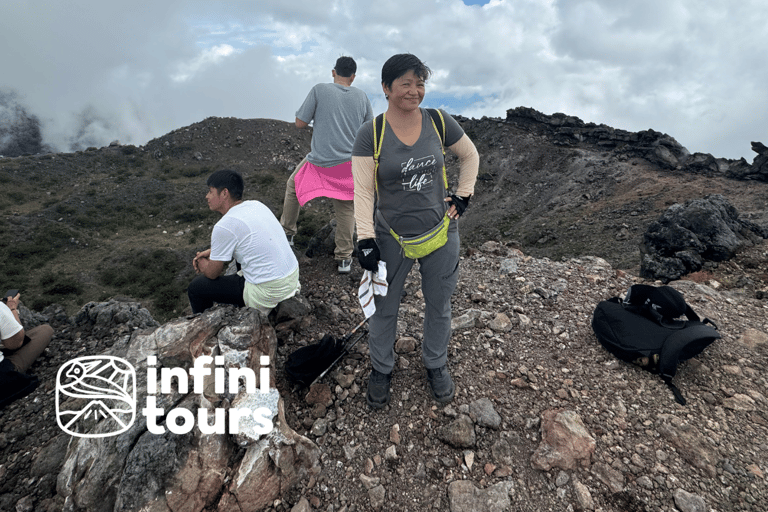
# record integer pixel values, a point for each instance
(251, 234)
(8, 325)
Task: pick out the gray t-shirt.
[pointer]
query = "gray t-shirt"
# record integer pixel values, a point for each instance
(338, 112)
(411, 192)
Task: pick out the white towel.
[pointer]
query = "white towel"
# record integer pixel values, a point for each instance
(372, 283)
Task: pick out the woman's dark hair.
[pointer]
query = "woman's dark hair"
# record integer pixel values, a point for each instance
(345, 66)
(230, 180)
(398, 65)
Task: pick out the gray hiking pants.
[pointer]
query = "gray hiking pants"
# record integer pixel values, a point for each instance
(439, 275)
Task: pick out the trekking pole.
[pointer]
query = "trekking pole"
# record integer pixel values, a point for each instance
(344, 352)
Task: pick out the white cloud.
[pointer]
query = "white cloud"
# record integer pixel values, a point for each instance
(207, 57)
(690, 68)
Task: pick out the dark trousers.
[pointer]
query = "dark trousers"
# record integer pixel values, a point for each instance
(203, 292)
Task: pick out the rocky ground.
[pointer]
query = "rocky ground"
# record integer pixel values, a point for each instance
(522, 345)
(73, 216)
(522, 342)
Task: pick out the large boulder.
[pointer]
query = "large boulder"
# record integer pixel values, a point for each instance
(760, 163)
(167, 459)
(741, 170)
(687, 235)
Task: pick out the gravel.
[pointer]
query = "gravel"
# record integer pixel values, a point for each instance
(522, 345)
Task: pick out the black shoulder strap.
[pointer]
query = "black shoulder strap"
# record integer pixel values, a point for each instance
(437, 118)
(676, 343)
(643, 298)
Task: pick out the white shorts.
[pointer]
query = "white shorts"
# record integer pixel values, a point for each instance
(265, 296)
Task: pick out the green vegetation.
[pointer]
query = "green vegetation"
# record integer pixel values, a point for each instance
(175, 169)
(106, 222)
(22, 258)
(310, 222)
(149, 274)
(54, 289)
(44, 245)
(193, 215)
(264, 180)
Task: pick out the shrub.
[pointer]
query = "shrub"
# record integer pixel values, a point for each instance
(45, 243)
(16, 196)
(150, 275)
(65, 209)
(196, 235)
(66, 285)
(265, 180)
(192, 217)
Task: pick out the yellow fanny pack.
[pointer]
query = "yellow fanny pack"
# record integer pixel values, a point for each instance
(415, 247)
(418, 246)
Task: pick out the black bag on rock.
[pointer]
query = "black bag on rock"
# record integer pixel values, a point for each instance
(645, 329)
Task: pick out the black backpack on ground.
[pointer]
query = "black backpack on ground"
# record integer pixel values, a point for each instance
(645, 329)
(305, 364)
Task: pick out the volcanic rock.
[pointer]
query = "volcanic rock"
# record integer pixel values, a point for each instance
(687, 235)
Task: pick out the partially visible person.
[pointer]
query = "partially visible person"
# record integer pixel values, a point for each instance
(338, 110)
(250, 234)
(410, 192)
(20, 347)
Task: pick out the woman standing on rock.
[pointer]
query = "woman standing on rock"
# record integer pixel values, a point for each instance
(402, 166)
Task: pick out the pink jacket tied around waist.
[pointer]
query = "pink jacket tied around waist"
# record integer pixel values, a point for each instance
(334, 182)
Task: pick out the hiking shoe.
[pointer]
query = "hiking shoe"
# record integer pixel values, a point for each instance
(378, 389)
(290, 240)
(345, 266)
(440, 384)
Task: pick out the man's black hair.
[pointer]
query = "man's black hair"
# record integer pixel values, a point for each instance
(398, 65)
(230, 180)
(345, 66)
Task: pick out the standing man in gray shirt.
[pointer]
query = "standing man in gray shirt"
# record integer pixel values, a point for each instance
(338, 110)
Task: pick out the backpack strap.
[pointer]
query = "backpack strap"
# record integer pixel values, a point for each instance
(696, 334)
(437, 116)
(646, 299)
(379, 125)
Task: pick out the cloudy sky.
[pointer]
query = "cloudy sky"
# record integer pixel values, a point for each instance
(137, 69)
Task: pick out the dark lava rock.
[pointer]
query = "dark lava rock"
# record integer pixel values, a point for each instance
(689, 234)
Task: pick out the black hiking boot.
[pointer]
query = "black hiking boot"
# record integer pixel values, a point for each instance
(378, 389)
(440, 384)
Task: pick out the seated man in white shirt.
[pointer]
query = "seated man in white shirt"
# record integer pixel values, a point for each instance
(250, 234)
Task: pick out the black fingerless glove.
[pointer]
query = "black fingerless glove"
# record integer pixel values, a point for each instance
(368, 254)
(460, 203)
